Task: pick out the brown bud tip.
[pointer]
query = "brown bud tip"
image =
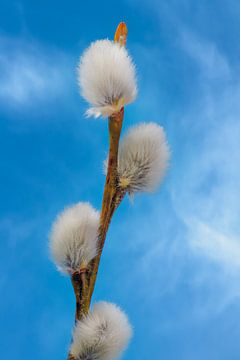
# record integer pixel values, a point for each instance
(121, 34)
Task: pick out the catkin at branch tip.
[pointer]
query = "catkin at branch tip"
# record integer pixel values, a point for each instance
(106, 77)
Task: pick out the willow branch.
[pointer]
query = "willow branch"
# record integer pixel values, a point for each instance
(112, 195)
(84, 283)
(109, 202)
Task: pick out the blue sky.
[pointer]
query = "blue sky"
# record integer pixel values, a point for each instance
(172, 259)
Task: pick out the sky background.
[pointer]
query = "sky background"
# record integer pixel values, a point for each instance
(172, 259)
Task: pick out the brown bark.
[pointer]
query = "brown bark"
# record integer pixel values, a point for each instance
(79, 282)
(84, 282)
(110, 195)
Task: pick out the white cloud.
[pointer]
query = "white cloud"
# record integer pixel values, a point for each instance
(204, 183)
(208, 197)
(215, 245)
(206, 55)
(31, 73)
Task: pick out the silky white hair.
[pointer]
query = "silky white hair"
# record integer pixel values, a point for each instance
(102, 335)
(73, 238)
(143, 158)
(106, 77)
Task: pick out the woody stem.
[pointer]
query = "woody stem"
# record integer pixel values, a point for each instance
(109, 196)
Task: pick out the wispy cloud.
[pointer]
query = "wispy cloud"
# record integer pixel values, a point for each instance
(209, 193)
(213, 244)
(203, 235)
(32, 74)
(206, 55)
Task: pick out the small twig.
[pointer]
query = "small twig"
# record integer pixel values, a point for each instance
(80, 286)
(84, 281)
(80, 289)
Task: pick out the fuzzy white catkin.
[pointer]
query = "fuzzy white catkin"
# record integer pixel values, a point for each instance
(106, 77)
(102, 335)
(73, 238)
(143, 158)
